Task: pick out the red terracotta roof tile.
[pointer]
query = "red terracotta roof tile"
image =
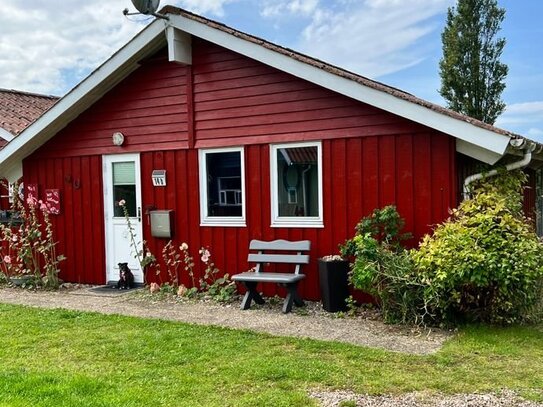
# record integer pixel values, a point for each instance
(18, 110)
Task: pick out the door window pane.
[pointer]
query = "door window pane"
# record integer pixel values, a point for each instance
(124, 188)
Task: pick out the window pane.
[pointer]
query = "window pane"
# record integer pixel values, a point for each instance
(124, 173)
(223, 172)
(298, 181)
(124, 187)
(128, 193)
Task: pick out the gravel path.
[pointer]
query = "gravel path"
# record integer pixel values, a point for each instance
(312, 322)
(503, 399)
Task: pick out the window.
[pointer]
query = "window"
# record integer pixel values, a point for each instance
(124, 187)
(296, 184)
(222, 187)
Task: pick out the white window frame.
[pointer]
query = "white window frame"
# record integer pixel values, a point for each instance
(294, 221)
(205, 220)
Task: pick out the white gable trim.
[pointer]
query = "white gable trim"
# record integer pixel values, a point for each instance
(179, 46)
(124, 61)
(485, 139)
(6, 135)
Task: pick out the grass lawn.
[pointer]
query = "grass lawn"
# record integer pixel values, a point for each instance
(66, 358)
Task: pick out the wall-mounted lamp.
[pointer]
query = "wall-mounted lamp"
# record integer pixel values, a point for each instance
(118, 138)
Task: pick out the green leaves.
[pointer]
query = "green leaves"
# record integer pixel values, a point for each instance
(485, 263)
(382, 267)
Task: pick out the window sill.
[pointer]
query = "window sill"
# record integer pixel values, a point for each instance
(297, 223)
(237, 223)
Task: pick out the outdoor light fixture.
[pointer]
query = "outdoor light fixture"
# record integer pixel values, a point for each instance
(118, 138)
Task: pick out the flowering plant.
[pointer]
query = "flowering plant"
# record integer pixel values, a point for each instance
(332, 257)
(221, 289)
(30, 249)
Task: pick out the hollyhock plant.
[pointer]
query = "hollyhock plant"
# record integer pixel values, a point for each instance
(30, 247)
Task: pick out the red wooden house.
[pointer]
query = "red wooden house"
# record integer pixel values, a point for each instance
(240, 139)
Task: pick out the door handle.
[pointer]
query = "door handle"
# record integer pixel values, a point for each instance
(139, 214)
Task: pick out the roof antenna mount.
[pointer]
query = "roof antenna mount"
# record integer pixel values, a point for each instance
(146, 7)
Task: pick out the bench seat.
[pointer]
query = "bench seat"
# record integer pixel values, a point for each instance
(279, 278)
(278, 252)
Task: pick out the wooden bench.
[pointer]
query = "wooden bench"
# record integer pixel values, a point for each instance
(282, 253)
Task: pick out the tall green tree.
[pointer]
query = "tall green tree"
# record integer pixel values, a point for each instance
(472, 76)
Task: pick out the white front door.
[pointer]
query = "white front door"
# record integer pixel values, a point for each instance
(122, 182)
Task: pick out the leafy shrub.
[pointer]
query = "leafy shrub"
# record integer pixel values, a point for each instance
(383, 225)
(485, 263)
(382, 267)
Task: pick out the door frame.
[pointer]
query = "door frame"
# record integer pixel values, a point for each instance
(107, 178)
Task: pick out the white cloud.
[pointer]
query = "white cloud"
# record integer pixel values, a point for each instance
(518, 114)
(44, 46)
(297, 7)
(523, 118)
(525, 108)
(49, 46)
(373, 37)
(215, 7)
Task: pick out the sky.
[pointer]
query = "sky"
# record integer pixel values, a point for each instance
(50, 46)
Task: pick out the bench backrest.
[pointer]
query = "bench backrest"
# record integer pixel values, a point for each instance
(282, 251)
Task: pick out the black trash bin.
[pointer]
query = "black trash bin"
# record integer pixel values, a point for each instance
(334, 284)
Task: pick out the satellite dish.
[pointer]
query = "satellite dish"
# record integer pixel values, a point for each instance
(146, 6)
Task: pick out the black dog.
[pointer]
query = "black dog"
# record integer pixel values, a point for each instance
(126, 278)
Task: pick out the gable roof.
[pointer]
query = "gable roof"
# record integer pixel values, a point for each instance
(474, 138)
(18, 109)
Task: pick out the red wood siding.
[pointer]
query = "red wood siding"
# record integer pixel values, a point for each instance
(347, 197)
(79, 229)
(240, 101)
(149, 107)
(370, 159)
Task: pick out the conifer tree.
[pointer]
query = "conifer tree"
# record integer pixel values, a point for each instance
(472, 76)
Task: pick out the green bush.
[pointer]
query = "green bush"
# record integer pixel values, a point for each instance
(485, 263)
(382, 267)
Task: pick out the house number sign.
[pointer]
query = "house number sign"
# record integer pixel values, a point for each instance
(159, 178)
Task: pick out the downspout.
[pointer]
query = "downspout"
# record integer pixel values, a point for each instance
(528, 149)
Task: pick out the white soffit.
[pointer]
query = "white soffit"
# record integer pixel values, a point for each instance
(13, 173)
(485, 139)
(477, 152)
(6, 135)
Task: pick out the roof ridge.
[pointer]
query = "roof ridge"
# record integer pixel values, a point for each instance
(26, 93)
